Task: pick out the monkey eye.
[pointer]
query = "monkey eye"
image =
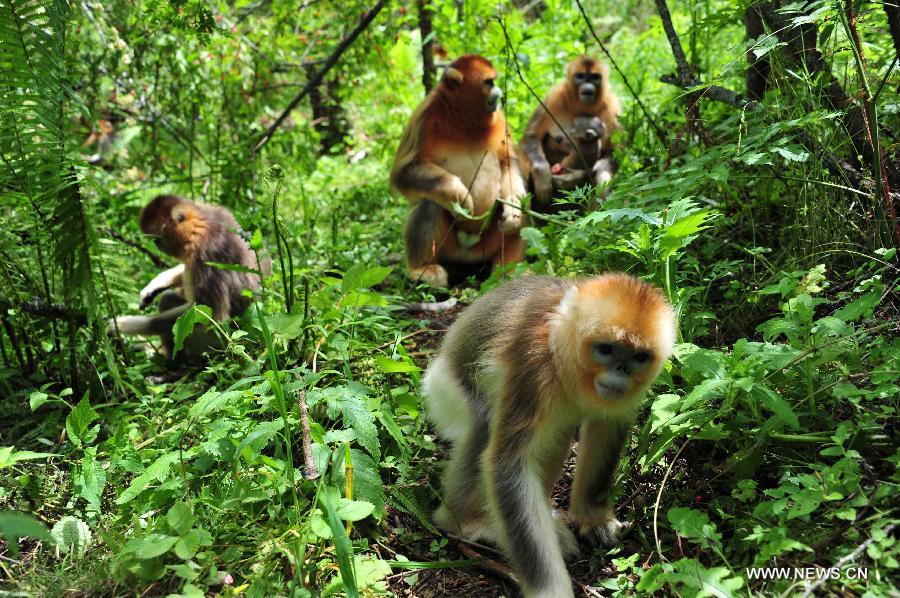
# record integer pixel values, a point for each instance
(601, 352)
(489, 82)
(642, 356)
(180, 218)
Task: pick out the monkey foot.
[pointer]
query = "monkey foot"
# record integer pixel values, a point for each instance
(432, 275)
(564, 535)
(471, 530)
(609, 532)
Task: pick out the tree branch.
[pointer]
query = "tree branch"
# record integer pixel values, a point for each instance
(320, 74)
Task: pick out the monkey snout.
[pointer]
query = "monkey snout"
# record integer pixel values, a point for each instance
(612, 386)
(587, 92)
(493, 99)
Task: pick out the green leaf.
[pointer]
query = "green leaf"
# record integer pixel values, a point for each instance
(260, 435)
(15, 525)
(8, 457)
(150, 546)
(354, 510)
(349, 401)
(71, 535)
(184, 325)
(36, 399)
(694, 525)
(180, 518)
(389, 366)
(360, 276)
(212, 401)
(692, 578)
(288, 326)
(158, 471)
(78, 421)
(90, 479)
(188, 544)
(329, 497)
(683, 231)
(774, 403)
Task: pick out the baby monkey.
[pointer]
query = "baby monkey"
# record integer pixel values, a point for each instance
(195, 234)
(522, 368)
(587, 132)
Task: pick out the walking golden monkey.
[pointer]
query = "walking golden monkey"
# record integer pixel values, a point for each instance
(456, 151)
(585, 92)
(194, 234)
(518, 372)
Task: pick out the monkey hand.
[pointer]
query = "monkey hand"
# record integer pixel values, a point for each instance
(512, 218)
(602, 171)
(148, 294)
(462, 197)
(543, 183)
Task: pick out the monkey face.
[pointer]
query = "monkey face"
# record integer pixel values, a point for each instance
(621, 368)
(471, 78)
(614, 334)
(170, 220)
(588, 86)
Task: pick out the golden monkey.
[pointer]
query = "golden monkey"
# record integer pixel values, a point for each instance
(586, 133)
(194, 234)
(522, 369)
(585, 92)
(456, 151)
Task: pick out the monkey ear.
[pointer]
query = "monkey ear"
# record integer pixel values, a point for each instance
(453, 75)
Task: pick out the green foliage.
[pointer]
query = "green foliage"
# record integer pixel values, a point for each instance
(770, 439)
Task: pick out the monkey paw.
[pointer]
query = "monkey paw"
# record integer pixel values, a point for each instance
(513, 219)
(433, 275)
(471, 529)
(609, 532)
(543, 183)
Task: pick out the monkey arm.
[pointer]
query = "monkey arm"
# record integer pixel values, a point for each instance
(532, 148)
(421, 179)
(157, 324)
(512, 191)
(600, 446)
(162, 281)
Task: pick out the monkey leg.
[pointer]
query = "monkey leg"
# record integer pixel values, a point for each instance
(550, 462)
(452, 410)
(530, 533)
(428, 235)
(169, 300)
(599, 448)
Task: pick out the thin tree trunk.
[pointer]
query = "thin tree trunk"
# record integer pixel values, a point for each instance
(426, 31)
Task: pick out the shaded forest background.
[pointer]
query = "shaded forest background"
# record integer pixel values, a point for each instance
(758, 186)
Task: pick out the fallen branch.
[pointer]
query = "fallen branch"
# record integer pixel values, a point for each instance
(847, 558)
(43, 309)
(489, 565)
(317, 78)
(310, 472)
(432, 307)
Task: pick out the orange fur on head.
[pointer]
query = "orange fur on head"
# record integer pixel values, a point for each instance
(457, 113)
(614, 308)
(176, 223)
(563, 99)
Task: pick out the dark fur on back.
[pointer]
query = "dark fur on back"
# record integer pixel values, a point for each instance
(220, 289)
